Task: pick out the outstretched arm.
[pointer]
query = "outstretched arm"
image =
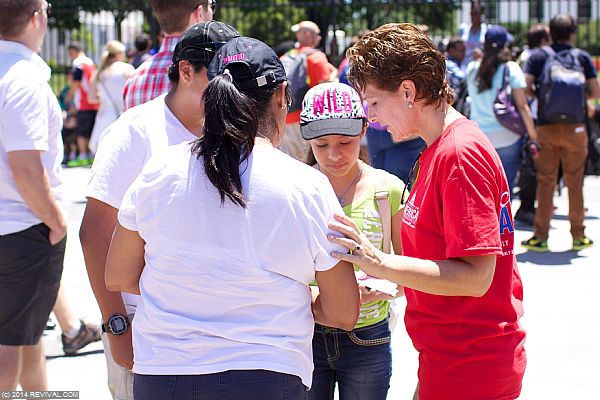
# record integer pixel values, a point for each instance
(466, 276)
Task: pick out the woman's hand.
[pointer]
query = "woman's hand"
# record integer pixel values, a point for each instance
(362, 252)
(368, 296)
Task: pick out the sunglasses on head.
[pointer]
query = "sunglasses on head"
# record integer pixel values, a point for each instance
(48, 8)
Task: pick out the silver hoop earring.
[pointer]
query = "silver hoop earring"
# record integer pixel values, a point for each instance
(410, 104)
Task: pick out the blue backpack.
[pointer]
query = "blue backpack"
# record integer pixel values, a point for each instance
(562, 88)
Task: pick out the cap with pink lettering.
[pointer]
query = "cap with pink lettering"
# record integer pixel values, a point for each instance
(251, 63)
(331, 109)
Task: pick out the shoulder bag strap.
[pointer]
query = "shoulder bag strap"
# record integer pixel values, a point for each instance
(112, 101)
(382, 196)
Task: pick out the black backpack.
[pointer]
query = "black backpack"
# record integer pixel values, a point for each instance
(562, 88)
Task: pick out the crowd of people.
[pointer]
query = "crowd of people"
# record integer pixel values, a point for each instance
(252, 216)
(553, 112)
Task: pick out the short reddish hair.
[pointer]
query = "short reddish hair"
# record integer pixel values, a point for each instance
(396, 52)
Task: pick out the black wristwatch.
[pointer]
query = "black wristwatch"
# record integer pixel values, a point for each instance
(117, 324)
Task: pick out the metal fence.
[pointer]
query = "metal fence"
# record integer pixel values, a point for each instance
(94, 22)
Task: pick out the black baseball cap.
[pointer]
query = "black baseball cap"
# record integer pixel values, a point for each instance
(251, 63)
(201, 41)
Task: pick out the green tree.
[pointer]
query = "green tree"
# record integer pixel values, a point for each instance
(267, 20)
(270, 20)
(65, 14)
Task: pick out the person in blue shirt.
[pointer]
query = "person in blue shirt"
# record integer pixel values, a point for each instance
(455, 71)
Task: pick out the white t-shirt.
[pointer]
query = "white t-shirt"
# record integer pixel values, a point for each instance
(225, 287)
(30, 119)
(124, 149)
(110, 92)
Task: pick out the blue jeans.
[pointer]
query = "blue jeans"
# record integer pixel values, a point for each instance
(511, 161)
(228, 385)
(395, 158)
(360, 361)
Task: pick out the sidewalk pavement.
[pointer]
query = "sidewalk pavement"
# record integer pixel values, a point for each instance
(561, 314)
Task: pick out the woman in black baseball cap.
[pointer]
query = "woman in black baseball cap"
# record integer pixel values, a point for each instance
(233, 233)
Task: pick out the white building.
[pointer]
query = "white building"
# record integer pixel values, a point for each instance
(503, 11)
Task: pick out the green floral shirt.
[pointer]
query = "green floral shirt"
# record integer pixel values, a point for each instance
(364, 212)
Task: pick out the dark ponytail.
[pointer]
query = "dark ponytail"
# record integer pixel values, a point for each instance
(492, 58)
(232, 119)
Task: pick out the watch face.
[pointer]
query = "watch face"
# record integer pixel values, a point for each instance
(118, 324)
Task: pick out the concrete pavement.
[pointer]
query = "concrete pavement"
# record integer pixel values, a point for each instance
(561, 313)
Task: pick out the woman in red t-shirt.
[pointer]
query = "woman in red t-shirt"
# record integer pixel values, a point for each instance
(463, 289)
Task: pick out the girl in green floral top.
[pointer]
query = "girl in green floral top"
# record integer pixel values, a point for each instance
(360, 361)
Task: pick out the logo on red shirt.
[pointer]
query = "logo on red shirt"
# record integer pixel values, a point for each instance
(411, 212)
(506, 224)
(507, 228)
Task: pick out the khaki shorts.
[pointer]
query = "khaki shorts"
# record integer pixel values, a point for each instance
(120, 380)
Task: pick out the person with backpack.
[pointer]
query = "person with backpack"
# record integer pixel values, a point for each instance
(305, 67)
(563, 77)
(333, 121)
(537, 36)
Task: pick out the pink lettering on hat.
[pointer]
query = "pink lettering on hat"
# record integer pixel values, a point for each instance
(234, 57)
(347, 102)
(329, 99)
(335, 103)
(319, 103)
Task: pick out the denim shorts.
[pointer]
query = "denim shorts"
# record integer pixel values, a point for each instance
(227, 385)
(359, 361)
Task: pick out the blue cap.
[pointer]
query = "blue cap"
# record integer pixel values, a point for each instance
(497, 36)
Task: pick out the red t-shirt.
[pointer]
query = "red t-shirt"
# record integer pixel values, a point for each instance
(82, 70)
(469, 348)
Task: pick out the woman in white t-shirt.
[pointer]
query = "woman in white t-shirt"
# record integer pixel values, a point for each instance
(107, 88)
(221, 238)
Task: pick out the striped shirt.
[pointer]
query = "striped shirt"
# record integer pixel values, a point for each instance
(150, 79)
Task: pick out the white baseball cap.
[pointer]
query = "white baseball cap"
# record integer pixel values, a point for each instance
(331, 109)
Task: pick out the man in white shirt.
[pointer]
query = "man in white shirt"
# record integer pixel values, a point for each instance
(32, 225)
(124, 149)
